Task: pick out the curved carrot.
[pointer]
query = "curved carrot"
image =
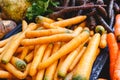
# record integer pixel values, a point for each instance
(113, 49)
(117, 27)
(5, 74)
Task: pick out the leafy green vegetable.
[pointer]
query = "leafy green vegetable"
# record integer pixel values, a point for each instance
(40, 7)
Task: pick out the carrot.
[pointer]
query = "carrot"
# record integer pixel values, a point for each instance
(20, 75)
(47, 53)
(11, 50)
(116, 71)
(103, 40)
(113, 49)
(70, 46)
(37, 58)
(24, 25)
(70, 21)
(59, 65)
(46, 32)
(68, 61)
(100, 29)
(83, 24)
(49, 26)
(29, 57)
(50, 71)
(77, 31)
(18, 63)
(24, 52)
(117, 27)
(48, 39)
(5, 74)
(76, 60)
(86, 62)
(40, 19)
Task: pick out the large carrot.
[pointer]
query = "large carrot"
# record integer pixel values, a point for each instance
(70, 21)
(46, 32)
(113, 49)
(48, 39)
(48, 51)
(37, 58)
(117, 27)
(116, 74)
(11, 50)
(70, 46)
(86, 62)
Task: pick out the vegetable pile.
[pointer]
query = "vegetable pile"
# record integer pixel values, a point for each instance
(48, 50)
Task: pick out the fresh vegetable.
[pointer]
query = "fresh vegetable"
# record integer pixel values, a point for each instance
(18, 63)
(29, 57)
(85, 65)
(74, 43)
(6, 26)
(37, 58)
(99, 29)
(10, 51)
(14, 9)
(103, 41)
(47, 53)
(113, 51)
(117, 27)
(5, 74)
(40, 7)
(50, 71)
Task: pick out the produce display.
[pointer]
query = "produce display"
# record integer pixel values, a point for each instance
(58, 39)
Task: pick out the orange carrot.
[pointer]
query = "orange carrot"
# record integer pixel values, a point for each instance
(46, 32)
(48, 39)
(24, 52)
(70, 46)
(117, 27)
(24, 25)
(11, 50)
(37, 58)
(113, 49)
(47, 53)
(116, 74)
(29, 57)
(70, 21)
(5, 74)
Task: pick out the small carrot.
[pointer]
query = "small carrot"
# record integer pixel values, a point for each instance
(37, 58)
(46, 32)
(86, 62)
(117, 27)
(29, 57)
(48, 39)
(103, 40)
(24, 52)
(47, 53)
(83, 24)
(59, 65)
(70, 21)
(76, 60)
(11, 50)
(70, 46)
(113, 50)
(24, 25)
(40, 19)
(50, 71)
(5, 74)
(18, 63)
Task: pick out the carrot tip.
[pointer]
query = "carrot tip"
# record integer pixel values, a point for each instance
(78, 78)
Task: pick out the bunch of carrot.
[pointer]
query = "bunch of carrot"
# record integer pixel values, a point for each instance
(113, 40)
(50, 51)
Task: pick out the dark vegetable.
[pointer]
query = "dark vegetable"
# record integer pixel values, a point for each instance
(91, 22)
(6, 26)
(110, 8)
(111, 23)
(66, 3)
(60, 13)
(105, 25)
(116, 7)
